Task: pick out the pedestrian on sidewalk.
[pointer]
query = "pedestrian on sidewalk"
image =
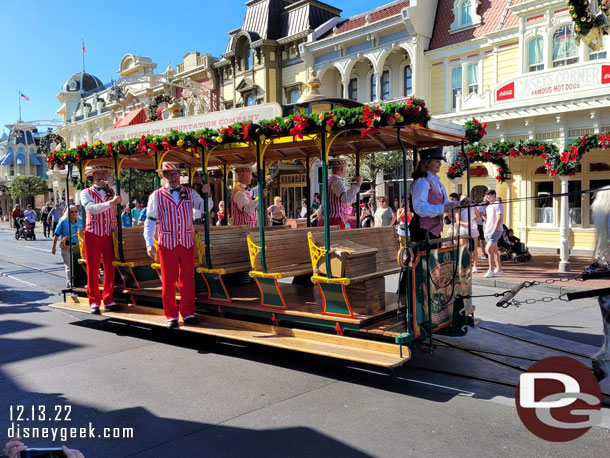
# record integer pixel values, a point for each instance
(16, 215)
(466, 219)
(481, 209)
(493, 231)
(44, 219)
(56, 214)
(30, 216)
(68, 225)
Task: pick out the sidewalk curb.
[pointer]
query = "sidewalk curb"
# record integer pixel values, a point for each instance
(510, 284)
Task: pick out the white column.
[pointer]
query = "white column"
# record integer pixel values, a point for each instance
(508, 213)
(377, 86)
(564, 228)
(345, 94)
(455, 182)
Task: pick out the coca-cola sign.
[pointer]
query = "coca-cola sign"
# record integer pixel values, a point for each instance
(557, 81)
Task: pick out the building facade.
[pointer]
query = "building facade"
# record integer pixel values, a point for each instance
(515, 66)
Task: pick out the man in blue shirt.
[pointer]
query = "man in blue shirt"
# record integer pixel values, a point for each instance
(64, 229)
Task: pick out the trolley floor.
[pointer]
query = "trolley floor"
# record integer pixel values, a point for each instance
(317, 343)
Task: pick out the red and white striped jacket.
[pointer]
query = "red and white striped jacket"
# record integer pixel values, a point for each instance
(240, 217)
(175, 220)
(101, 223)
(336, 209)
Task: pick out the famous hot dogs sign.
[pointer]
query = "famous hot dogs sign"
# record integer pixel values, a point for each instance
(558, 81)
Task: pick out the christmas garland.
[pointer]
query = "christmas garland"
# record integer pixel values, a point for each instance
(50, 139)
(367, 118)
(583, 20)
(154, 104)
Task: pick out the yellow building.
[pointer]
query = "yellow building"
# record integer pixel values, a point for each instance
(515, 66)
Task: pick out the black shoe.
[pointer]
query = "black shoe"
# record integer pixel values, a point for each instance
(114, 307)
(95, 310)
(172, 324)
(191, 320)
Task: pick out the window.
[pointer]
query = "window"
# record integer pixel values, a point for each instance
(408, 80)
(565, 51)
(465, 13)
(575, 202)
(595, 184)
(293, 95)
(251, 100)
(456, 83)
(385, 85)
(535, 57)
(373, 87)
(543, 203)
(600, 54)
(352, 89)
(473, 78)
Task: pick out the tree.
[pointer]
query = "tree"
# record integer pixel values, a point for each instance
(374, 163)
(26, 187)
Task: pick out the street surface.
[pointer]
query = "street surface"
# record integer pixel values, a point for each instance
(186, 395)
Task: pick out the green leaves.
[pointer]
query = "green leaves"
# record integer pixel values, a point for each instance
(24, 187)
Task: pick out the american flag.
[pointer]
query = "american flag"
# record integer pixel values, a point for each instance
(24, 97)
(83, 43)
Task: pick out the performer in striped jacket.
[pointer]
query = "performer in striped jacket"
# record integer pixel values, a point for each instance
(170, 211)
(100, 204)
(340, 197)
(244, 202)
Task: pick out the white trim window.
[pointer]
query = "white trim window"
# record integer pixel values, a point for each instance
(535, 54)
(473, 78)
(465, 14)
(385, 85)
(565, 51)
(456, 84)
(352, 89)
(599, 54)
(407, 81)
(373, 87)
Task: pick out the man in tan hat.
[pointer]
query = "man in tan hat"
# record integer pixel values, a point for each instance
(100, 204)
(244, 201)
(340, 197)
(171, 209)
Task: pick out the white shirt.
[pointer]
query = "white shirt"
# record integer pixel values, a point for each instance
(346, 196)
(493, 210)
(87, 201)
(245, 203)
(420, 196)
(152, 211)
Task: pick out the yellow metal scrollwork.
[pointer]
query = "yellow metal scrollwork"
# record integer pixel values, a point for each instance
(253, 250)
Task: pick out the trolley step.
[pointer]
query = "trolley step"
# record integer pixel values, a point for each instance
(317, 343)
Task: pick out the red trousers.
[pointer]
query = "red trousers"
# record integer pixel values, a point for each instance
(178, 264)
(95, 247)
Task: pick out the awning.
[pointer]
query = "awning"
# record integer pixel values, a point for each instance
(7, 160)
(21, 159)
(34, 160)
(132, 118)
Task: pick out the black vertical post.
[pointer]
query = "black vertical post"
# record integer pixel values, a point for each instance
(68, 177)
(324, 154)
(225, 178)
(407, 269)
(206, 210)
(358, 193)
(260, 168)
(308, 189)
(117, 174)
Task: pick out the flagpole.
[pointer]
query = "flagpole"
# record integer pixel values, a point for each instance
(82, 75)
(19, 97)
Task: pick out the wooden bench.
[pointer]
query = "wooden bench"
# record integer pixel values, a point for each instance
(286, 255)
(228, 255)
(361, 258)
(134, 257)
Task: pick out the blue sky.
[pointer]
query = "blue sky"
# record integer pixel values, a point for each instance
(40, 41)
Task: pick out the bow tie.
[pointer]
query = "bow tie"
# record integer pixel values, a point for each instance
(174, 189)
(102, 188)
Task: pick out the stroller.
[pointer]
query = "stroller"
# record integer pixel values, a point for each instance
(25, 230)
(510, 247)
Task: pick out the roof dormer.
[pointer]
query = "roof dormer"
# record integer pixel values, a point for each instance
(465, 15)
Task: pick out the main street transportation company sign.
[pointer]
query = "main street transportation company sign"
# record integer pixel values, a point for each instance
(214, 120)
(558, 81)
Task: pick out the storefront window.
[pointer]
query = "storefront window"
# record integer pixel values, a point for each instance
(543, 203)
(565, 51)
(575, 203)
(599, 54)
(535, 55)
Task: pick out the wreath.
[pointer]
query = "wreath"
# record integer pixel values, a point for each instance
(154, 104)
(51, 139)
(587, 18)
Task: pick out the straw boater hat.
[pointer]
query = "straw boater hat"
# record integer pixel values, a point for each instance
(432, 153)
(89, 171)
(242, 168)
(337, 162)
(168, 166)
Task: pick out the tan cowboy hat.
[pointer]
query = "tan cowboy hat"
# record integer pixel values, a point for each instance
(243, 168)
(89, 171)
(167, 166)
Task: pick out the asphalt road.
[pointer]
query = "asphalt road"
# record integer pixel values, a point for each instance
(194, 396)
